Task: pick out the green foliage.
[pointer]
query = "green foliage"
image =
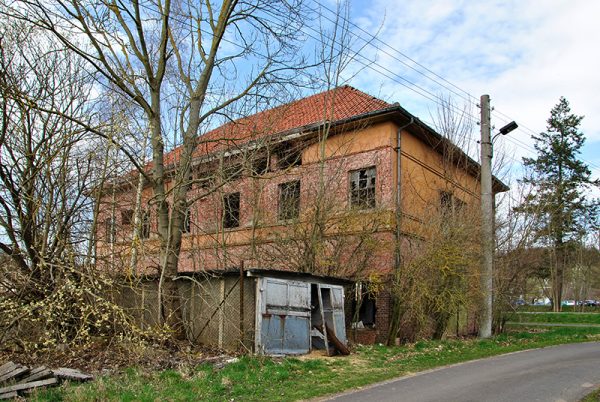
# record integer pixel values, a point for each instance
(439, 277)
(558, 203)
(559, 179)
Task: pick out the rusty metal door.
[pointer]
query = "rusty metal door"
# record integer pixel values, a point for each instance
(283, 316)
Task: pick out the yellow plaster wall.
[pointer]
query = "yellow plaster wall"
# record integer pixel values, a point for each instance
(351, 142)
(425, 175)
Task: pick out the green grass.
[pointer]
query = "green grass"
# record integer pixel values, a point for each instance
(562, 318)
(593, 397)
(287, 379)
(565, 309)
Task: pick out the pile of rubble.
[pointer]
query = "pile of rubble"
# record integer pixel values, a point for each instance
(18, 380)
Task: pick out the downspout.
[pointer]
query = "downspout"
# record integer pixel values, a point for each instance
(398, 198)
(395, 311)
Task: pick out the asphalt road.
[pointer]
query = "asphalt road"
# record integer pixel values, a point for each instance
(558, 373)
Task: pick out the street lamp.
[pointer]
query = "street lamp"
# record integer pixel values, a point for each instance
(508, 128)
(487, 215)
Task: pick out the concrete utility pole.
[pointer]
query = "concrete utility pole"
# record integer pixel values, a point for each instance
(487, 220)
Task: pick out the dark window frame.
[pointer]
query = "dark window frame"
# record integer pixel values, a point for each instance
(289, 155)
(289, 200)
(450, 203)
(127, 217)
(362, 188)
(231, 210)
(187, 221)
(145, 225)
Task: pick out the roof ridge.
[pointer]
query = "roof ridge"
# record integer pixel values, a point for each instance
(297, 113)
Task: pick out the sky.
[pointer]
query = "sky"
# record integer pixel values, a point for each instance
(524, 54)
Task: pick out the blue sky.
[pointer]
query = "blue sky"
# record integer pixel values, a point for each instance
(524, 54)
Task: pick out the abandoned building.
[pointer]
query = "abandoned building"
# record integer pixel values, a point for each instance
(292, 214)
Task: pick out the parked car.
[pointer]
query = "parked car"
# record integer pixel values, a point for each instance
(591, 303)
(542, 302)
(568, 303)
(519, 302)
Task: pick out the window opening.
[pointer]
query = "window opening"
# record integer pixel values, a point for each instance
(289, 200)
(127, 217)
(289, 155)
(362, 188)
(145, 232)
(187, 221)
(231, 210)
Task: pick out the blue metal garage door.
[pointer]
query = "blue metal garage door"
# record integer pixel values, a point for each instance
(283, 316)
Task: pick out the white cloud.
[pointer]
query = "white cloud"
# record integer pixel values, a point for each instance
(524, 54)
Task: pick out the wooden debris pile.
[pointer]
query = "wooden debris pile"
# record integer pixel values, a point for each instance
(17, 380)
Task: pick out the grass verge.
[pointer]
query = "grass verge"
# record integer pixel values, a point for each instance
(593, 397)
(565, 309)
(556, 318)
(288, 379)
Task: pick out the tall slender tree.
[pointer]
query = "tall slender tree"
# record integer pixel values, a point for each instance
(559, 180)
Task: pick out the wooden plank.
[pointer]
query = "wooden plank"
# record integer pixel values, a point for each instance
(7, 367)
(339, 346)
(71, 374)
(9, 395)
(37, 370)
(39, 373)
(17, 372)
(29, 385)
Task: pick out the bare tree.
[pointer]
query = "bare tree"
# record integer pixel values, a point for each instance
(49, 167)
(181, 62)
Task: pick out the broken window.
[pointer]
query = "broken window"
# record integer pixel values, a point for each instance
(289, 155)
(111, 230)
(289, 200)
(231, 210)
(127, 217)
(362, 188)
(450, 204)
(446, 201)
(259, 165)
(232, 172)
(145, 232)
(205, 180)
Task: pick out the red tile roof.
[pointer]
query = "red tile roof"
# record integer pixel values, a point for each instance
(336, 104)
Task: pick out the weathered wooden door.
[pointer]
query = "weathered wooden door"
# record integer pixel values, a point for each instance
(283, 316)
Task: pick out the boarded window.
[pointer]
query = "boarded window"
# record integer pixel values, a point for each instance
(362, 188)
(231, 210)
(111, 230)
(127, 217)
(145, 232)
(289, 200)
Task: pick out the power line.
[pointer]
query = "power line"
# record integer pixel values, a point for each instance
(389, 74)
(470, 97)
